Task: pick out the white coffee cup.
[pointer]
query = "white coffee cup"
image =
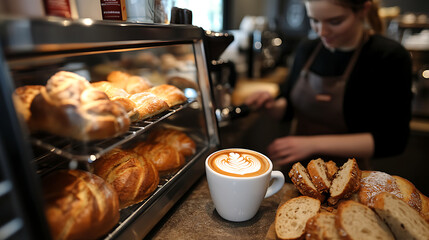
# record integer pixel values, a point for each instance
(239, 179)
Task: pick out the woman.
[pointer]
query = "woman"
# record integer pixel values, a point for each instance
(348, 92)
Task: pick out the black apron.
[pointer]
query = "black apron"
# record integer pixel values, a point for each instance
(318, 102)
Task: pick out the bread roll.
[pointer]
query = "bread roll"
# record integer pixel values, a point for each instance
(22, 98)
(169, 93)
(175, 138)
(148, 105)
(79, 205)
(68, 106)
(163, 156)
(130, 83)
(132, 176)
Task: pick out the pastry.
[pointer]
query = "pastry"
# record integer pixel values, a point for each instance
(175, 138)
(22, 98)
(169, 93)
(130, 83)
(133, 177)
(79, 204)
(163, 156)
(148, 105)
(120, 96)
(68, 106)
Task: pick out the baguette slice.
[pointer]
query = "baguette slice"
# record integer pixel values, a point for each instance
(356, 221)
(292, 216)
(321, 227)
(318, 172)
(299, 176)
(346, 182)
(404, 221)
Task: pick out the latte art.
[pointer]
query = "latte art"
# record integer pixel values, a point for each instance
(237, 163)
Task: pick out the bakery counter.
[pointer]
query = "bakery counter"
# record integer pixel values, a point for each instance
(195, 217)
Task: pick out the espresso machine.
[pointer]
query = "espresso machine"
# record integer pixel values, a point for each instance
(223, 77)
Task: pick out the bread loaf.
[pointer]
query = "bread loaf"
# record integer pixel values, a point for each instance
(79, 205)
(404, 221)
(292, 216)
(322, 227)
(163, 156)
(346, 182)
(356, 221)
(169, 93)
(319, 174)
(130, 83)
(175, 138)
(68, 106)
(133, 177)
(302, 181)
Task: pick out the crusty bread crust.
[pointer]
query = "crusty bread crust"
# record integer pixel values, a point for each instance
(169, 93)
(299, 176)
(133, 177)
(175, 138)
(332, 169)
(79, 205)
(163, 156)
(317, 170)
(346, 182)
(409, 192)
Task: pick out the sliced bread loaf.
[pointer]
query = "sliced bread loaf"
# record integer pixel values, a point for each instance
(302, 181)
(356, 221)
(409, 193)
(318, 172)
(404, 221)
(346, 182)
(374, 182)
(321, 227)
(292, 216)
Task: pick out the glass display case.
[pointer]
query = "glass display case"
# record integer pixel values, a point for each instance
(33, 50)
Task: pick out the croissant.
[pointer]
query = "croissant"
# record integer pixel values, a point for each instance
(163, 156)
(68, 106)
(132, 176)
(175, 138)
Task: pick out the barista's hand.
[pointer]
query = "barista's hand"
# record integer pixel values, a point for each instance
(260, 99)
(290, 149)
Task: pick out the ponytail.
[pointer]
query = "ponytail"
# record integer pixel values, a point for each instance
(374, 20)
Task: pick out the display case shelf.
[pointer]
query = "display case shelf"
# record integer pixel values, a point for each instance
(91, 151)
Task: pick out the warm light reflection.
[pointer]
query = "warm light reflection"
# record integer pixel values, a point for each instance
(276, 42)
(87, 21)
(425, 73)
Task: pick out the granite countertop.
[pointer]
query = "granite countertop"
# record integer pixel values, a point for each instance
(195, 217)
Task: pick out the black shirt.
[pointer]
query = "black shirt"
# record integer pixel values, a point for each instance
(378, 93)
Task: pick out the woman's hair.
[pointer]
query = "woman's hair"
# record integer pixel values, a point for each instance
(373, 18)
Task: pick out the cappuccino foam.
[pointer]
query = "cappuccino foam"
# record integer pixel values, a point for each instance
(238, 163)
